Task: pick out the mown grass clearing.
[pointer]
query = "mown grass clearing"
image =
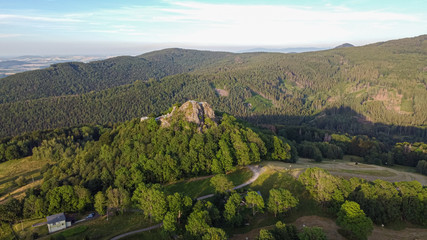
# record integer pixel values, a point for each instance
(152, 234)
(403, 168)
(27, 169)
(377, 173)
(74, 231)
(259, 103)
(272, 178)
(24, 229)
(407, 105)
(19, 167)
(197, 188)
(348, 169)
(100, 228)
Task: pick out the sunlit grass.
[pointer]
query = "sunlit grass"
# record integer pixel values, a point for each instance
(100, 228)
(259, 103)
(27, 167)
(376, 173)
(196, 188)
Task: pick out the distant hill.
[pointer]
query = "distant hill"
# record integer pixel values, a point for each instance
(283, 50)
(345, 45)
(375, 89)
(76, 77)
(7, 64)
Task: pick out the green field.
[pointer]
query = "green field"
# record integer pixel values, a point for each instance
(195, 188)
(404, 168)
(377, 173)
(10, 171)
(100, 228)
(24, 229)
(74, 231)
(407, 105)
(259, 103)
(153, 234)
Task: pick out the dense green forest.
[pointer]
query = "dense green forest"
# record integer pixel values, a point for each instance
(121, 167)
(377, 90)
(114, 163)
(76, 78)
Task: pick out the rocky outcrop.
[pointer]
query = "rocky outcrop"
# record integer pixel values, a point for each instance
(191, 111)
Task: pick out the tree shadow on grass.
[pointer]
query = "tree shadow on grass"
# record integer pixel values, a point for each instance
(281, 179)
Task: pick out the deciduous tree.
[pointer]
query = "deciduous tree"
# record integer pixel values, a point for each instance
(312, 233)
(352, 219)
(231, 209)
(282, 151)
(214, 234)
(100, 203)
(221, 184)
(198, 222)
(280, 200)
(254, 201)
(151, 200)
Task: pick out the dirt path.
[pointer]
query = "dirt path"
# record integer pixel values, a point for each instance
(137, 231)
(256, 171)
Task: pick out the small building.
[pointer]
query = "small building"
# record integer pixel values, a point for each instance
(57, 222)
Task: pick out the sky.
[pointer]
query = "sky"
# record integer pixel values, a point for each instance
(106, 27)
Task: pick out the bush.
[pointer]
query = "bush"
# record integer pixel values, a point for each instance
(21, 181)
(310, 150)
(330, 151)
(422, 167)
(353, 221)
(312, 233)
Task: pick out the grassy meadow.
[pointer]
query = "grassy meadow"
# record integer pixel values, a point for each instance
(197, 187)
(17, 175)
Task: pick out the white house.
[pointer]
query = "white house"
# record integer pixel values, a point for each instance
(57, 222)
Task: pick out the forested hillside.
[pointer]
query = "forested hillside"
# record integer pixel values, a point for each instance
(76, 77)
(378, 89)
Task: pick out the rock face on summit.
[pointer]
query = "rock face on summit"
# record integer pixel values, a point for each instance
(191, 111)
(197, 112)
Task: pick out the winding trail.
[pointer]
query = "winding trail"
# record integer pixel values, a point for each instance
(137, 231)
(256, 170)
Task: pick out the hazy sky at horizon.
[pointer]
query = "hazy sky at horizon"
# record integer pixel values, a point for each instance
(47, 27)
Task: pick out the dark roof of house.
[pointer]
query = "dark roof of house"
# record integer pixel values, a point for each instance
(55, 218)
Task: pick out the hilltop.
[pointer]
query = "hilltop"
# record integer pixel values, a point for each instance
(191, 111)
(344, 45)
(377, 89)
